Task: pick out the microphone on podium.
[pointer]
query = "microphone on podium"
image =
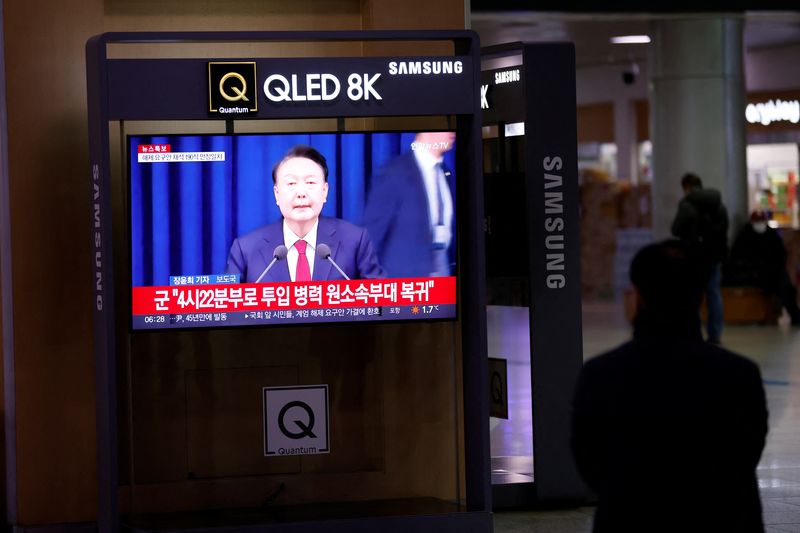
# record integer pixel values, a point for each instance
(278, 254)
(324, 252)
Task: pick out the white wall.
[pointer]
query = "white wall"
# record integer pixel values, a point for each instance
(604, 84)
(773, 69)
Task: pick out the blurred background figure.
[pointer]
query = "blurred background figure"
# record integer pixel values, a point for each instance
(702, 222)
(758, 259)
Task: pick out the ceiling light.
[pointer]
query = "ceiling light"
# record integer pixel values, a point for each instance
(631, 39)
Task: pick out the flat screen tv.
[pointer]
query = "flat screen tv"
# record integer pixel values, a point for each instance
(277, 229)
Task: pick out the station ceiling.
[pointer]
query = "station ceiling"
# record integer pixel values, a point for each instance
(591, 32)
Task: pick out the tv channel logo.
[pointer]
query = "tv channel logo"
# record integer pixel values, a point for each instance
(232, 88)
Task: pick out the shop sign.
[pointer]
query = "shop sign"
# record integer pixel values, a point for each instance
(498, 387)
(338, 86)
(232, 87)
(766, 113)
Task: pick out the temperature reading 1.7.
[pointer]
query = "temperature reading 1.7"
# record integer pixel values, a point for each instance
(428, 309)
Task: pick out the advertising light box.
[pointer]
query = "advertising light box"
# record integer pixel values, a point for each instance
(277, 229)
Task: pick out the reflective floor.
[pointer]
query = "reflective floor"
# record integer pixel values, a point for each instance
(777, 350)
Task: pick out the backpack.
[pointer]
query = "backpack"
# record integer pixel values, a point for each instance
(712, 232)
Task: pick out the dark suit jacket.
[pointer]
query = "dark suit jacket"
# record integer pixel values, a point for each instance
(398, 219)
(668, 430)
(350, 246)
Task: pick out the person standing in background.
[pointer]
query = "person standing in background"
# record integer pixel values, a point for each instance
(702, 222)
(758, 258)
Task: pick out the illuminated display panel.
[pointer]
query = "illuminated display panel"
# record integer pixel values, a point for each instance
(208, 225)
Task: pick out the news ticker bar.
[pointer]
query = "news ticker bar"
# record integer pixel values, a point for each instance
(303, 316)
(292, 296)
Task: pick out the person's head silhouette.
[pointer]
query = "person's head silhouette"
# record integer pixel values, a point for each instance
(669, 280)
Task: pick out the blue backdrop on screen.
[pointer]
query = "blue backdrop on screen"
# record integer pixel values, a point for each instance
(185, 215)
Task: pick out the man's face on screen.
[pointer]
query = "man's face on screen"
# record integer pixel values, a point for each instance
(300, 190)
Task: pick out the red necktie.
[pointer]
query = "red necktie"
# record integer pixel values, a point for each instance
(303, 272)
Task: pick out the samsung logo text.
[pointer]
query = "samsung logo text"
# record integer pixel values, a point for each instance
(425, 68)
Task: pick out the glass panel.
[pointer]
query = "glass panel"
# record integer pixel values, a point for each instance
(508, 334)
(508, 296)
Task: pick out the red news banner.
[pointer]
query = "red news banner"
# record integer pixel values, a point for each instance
(283, 296)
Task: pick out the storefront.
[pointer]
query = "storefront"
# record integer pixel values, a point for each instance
(773, 134)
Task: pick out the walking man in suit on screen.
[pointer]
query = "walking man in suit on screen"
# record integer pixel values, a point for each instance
(410, 210)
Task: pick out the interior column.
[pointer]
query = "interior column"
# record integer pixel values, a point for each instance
(697, 113)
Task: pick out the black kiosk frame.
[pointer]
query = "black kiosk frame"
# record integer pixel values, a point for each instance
(138, 87)
(533, 86)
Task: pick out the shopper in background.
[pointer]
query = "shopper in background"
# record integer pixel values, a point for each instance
(758, 258)
(702, 222)
(656, 418)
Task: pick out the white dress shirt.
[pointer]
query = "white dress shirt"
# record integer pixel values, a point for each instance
(431, 174)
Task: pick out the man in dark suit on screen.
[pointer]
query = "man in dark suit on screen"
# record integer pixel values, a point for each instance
(410, 210)
(300, 241)
(668, 429)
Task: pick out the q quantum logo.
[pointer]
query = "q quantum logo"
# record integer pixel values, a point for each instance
(232, 88)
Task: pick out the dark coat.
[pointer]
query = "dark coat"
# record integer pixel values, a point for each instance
(702, 220)
(757, 259)
(668, 430)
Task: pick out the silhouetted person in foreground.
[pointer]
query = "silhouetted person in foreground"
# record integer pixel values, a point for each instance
(668, 429)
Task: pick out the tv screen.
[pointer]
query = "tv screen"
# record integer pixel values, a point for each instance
(277, 229)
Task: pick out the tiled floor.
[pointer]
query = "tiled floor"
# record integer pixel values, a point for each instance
(777, 350)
